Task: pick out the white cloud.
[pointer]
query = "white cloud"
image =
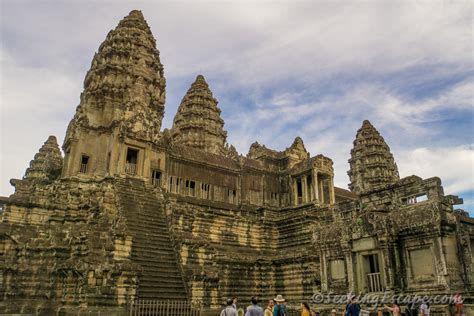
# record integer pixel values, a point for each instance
(35, 102)
(410, 114)
(328, 126)
(454, 165)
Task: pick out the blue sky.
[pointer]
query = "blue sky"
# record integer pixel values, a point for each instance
(279, 69)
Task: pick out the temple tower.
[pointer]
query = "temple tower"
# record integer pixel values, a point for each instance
(372, 165)
(47, 163)
(198, 122)
(123, 99)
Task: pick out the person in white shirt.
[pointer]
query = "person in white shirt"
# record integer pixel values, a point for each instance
(425, 309)
(229, 310)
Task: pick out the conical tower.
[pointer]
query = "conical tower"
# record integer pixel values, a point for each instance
(372, 165)
(198, 122)
(47, 163)
(123, 98)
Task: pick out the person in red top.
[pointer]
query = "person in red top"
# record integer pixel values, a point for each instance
(458, 303)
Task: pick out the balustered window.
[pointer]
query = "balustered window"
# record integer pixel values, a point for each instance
(84, 164)
(156, 178)
(131, 161)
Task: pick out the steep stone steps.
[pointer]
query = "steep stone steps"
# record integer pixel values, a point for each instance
(152, 248)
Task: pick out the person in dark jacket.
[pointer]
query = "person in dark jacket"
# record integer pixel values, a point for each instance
(353, 308)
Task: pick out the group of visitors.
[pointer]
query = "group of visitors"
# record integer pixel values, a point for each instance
(275, 307)
(353, 309)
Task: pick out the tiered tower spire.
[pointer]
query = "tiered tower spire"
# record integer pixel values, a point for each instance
(198, 122)
(372, 165)
(123, 100)
(125, 86)
(47, 163)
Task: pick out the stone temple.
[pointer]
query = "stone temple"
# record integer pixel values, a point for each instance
(130, 211)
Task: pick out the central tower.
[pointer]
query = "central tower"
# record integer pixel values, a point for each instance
(123, 99)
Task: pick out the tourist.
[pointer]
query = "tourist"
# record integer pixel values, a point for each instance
(334, 312)
(280, 308)
(458, 303)
(229, 310)
(353, 308)
(411, 310)
(254, 309)
(305, 310)
(395, 309)
(349, 298)
(269, 309)
(425, 309)
(234, 302)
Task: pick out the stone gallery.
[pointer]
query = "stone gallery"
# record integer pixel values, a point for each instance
(129, 211)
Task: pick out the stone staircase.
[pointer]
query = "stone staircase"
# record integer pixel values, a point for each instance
(152, 246)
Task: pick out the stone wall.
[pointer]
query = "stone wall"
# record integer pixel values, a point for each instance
(61, 248)
(229, 252)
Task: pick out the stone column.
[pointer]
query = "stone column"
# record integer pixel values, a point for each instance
(315, 185)
(324, 273)
(321, 191)
(389, 276)
(304, 189)
(441, 265)
(295, 191)
(350, 271)
(332, 198)
(142, 163)
(310, 188)
(198, 189)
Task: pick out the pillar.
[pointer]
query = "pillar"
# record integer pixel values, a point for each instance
(304, 189)
(315, 184)
(324, 273)
(332, 198)
(295, 192)
(321, 191)
(350, 271)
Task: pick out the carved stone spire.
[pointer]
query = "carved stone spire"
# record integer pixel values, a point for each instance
(47, 163)
(372, 165)
(125, 87)
(198, 122)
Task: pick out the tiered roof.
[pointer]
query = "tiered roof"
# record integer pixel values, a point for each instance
(372, 165)
(47, 163)
(125, 85)
(198, 122)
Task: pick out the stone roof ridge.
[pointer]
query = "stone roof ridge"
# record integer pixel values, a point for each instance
(197, 154)
(297, 148)
(257, 150)
(297, 144)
